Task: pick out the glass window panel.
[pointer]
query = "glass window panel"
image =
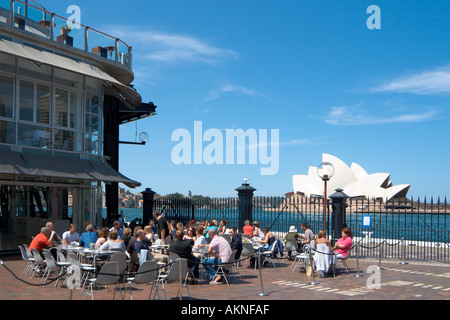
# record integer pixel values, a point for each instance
(69, 79)
(93, 103)
(34, 136)
(76, 110)
(94, 86)
(93, 144)
(7, 63)
(43, 104)
(68, 141)
(61, 105)
(26, 103)
(35, 70)
(7, 132)
(6, 97)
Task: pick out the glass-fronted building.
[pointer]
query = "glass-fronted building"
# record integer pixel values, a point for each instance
(63, 96)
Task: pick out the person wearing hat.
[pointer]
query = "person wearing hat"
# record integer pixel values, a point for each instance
(291, 240)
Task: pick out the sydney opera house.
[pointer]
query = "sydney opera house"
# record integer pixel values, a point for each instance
(354, 180)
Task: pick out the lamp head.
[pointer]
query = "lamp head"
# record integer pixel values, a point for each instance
(325, 171)
(143, 137)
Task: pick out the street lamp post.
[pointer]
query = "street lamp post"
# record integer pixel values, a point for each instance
(325, 171)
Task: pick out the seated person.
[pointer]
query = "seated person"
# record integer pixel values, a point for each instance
(141, 243)
(322, 257)
(71, 235)
(248, 228)
(184, 249)
(269, 238)
(103, 235)
(344, 244)
(201, 245)
(54, 237)
(113, 242)
(257, 231)
(309, 235)
(291, 240)
(88, 237)
(41, 241)
(220, 251)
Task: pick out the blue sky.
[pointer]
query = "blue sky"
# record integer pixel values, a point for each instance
(311, 69)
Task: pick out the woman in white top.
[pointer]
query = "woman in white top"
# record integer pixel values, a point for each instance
(322, 257)
(258, 232)
(113, 242)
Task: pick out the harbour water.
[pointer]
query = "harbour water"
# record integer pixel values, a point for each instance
(410, 226)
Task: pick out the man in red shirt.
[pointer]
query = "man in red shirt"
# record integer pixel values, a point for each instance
(248, 228)
(41, 241)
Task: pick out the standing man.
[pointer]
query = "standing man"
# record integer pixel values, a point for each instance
(162, 227)
(236, 242)
(220, 251)
(116, 226)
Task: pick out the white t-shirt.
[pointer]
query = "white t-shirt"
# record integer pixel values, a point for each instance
(71, 237)
(200, 240)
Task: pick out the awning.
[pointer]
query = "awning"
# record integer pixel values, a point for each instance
(142, 111)
(124, 92)
(57, 167)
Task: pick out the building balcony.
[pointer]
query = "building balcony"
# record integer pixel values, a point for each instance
(31, 17)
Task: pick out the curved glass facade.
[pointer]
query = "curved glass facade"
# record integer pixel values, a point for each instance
(49, 109)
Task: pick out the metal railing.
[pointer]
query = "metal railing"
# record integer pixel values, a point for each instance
(31, 17)
(422, 227)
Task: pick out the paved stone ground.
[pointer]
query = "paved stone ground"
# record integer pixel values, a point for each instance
(412, 281)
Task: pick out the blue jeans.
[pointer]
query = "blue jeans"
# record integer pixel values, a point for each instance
(211, 266)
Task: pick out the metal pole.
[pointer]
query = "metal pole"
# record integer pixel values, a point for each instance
(311, 265)
(403, 252)
(262, 294)
(324, 205)
(180, 275)
(381, 253)
(358, 275)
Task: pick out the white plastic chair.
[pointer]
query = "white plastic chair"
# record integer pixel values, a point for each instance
(30, 261)
(108, 275)
(269, 253)
(148, 273)
(303, 257)
(85, 269)
(39, 261)
(248, 250)
(174, 275)
(51, 267)
(225, 269)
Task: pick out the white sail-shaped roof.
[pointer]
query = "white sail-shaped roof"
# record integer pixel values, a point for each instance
(354, 180)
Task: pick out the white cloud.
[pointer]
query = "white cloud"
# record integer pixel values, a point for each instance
(229, 88)
(166, 47)
(428, 82)
(344, 116)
